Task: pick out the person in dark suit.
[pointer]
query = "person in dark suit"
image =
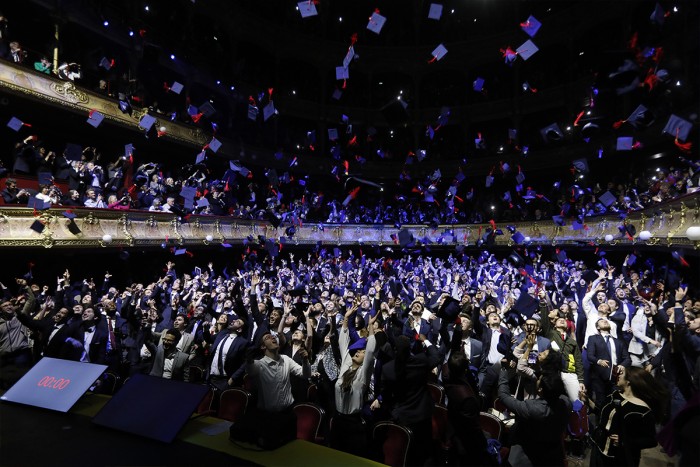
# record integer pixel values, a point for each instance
(169, 362)
(460, 341)
(604, 365)
(540, 422)
(415, 324)
(53, 331)
(496, 341)
(405, 391)
(88, 339)
(227, 364)
(13, 195)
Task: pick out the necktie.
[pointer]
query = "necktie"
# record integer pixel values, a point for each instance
(220, 360)
(112, 337)
(609, 344)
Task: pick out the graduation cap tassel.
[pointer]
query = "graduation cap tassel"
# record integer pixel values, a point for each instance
(578, 117)
(197, 117)
(618, 124)
(685, 147)
(166, 87)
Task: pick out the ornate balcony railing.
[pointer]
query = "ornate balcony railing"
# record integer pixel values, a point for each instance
(666, 223)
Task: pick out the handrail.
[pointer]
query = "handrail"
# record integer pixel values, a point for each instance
(666, 222)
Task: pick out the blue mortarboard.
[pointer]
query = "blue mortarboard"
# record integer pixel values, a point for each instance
(349, 56)
(202, 203)
(333, 134)
(376, 23)
(439, 52)
(559, 220)
(237, 167)
(518, 238)
(38, 204)
(37, 226)
(658, 15)
(15, 123)
(520, 177)
(180, 251)
(429, 132)
(252, 112)
(678, 127)
(552, 133)
(581, 165)
(192, 110)
(214, 145)
(607, 199)
(200, 157)
(95, 118)
(576, 225)
(526, 304)
(177, 87)
(307, 9)
(147, 122)
(337, 94)
(531, 26)
(188, 192)
(69, 215)
(128, 150)
(631, 259)
(105, 63)
(358, 344)
(478, 84)
(72, 226)
(641, 117)
(124, 106)
(527, 49)
(625, 143)
(435, 11)
(269, 111)
(207, 109)
(489, 181)
(342, 73)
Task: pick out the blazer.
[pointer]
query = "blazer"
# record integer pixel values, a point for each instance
(181, 367)
(234, 366)
(598, 350)
(408, 395)
(55, 348)
(184, 345)
(97, 353)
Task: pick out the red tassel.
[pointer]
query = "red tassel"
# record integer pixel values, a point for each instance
(685, 147)
(578, 117)
(197, 117)
(618, 124)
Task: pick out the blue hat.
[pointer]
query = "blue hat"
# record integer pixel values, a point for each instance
(359, 344)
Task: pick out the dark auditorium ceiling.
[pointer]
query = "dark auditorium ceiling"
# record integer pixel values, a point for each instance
(241, 49)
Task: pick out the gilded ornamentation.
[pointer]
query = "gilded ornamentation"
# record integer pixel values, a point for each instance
(125, 224)
(151, 222)
(70, 92)
(175, 224)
